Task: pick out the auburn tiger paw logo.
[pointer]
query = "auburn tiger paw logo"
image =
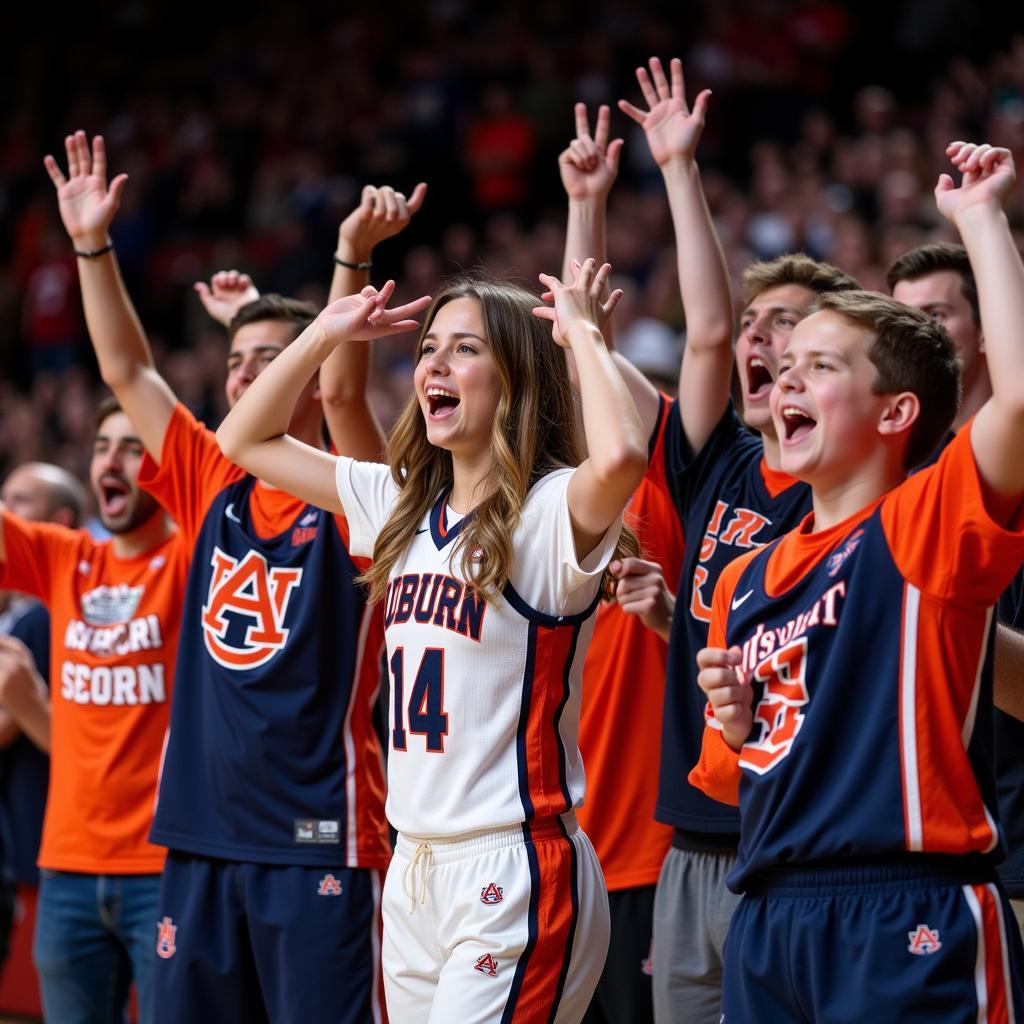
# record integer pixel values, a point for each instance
(924, 940)
(165, 932)
(487, 965)
(492, 894)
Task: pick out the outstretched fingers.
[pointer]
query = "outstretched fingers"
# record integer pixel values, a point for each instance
(659, 79)
(647, 87)
(54, 171)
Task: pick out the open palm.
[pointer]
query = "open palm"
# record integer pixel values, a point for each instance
(366, 316)
(672, 129)
(87, 205)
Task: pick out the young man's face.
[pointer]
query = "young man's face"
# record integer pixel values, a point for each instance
(253, 348)
(941, 296)
(765, 328)
(113, 472)
(824, 411)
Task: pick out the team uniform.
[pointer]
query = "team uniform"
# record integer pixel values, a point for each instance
(494, 905)
(271, 794)
(728, 501)
(624, 681)
(867, 800)
(114, 634)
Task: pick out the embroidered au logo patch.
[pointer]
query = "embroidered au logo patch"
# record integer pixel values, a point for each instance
(329, 886)
(487, 965)
(492, 894)
(924, 940)
(166, 931)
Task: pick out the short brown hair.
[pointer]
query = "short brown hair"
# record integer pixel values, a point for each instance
(107, 407)
(274, 307)
(931, 259)
(911, 353)
(794, 268)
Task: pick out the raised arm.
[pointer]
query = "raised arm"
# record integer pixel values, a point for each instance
(87, 208)
(673, 132)
(976, 208)
(1008, 689)
(381, 213)
(588, 167)
(254, 433)
(617, 447)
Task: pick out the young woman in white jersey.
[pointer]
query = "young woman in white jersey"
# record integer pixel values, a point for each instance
(491, 534)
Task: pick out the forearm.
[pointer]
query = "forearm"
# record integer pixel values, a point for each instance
(703, 275)
(999, 274)
(114, 327)
(1009, 671)
(9, 729)
(612, 426)
(265, 410)
(29, 707)
(584, 233)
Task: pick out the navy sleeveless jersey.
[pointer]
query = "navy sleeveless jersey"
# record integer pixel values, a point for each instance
(727, 504)
(24, 768)
(271, 756)
(868, 647)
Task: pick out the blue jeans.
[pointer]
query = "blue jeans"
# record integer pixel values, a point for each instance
(94, 934)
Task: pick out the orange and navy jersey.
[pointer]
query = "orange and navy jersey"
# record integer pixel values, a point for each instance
(867, 645)
(272, 756)
(623, 692)
(114, 636)
(728, 501)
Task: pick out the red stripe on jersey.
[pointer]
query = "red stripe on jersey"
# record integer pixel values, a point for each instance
(545, 768)
(540, 985)
(367, 839)
(943, 811)
(992, 968)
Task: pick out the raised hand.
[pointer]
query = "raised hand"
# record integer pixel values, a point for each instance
(641, 591)
(577, 303)
(226, 293)
(728, 692)
(672, 129)
(590, 164)
(365, 316)
(988, 176)
(87, 205)
(381, 213)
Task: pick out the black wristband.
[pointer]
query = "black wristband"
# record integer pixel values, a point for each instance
(91, 254)
(352, 266)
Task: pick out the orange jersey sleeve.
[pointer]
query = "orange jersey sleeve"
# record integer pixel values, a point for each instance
(717, 773)
(34, 552)
(191, 472)
(942, 538)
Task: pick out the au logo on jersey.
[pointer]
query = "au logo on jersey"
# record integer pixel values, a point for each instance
(252, 591)
(924, 940)
(492, 894)
(165, 947)
(487, 965)
(329, 886)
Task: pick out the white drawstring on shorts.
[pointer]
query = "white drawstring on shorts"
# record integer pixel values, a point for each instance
(421, 859)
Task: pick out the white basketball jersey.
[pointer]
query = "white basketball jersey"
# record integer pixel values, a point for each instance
(485, 695)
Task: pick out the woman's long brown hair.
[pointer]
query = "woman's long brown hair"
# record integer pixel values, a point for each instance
(535, 431)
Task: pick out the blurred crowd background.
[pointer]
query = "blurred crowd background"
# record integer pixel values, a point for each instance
(249, 132)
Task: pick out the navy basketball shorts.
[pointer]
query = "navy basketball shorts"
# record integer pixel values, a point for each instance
(495, 926)
(260, 942)
(890, 944)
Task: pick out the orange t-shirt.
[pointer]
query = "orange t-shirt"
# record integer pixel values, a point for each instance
(113, 640)
(623, 697)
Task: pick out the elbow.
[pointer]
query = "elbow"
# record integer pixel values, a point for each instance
(624, 463)
(118, 376)
(230, 443)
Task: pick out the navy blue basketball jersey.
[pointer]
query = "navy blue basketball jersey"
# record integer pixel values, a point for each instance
(728, 502)
(271, 756)
(24, 768)
(867, 645)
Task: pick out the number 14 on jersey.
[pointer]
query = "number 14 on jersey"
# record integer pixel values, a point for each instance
(426, 714)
